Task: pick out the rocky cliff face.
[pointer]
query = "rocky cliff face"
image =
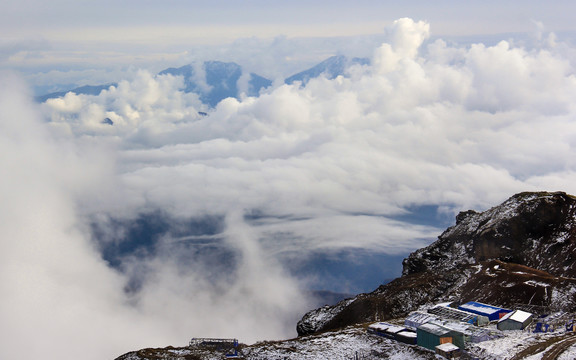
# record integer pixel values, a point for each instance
(533, 229)
(521, 252)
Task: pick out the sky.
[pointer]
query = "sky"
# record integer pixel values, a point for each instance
(96, 42)
(459, 108)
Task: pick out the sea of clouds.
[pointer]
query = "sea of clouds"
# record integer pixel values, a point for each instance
(326, 166)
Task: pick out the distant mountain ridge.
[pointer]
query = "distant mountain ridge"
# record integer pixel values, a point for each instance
(214, 81)
(86, 90)
(217, 81)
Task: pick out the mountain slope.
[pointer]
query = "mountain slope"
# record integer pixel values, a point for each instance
(331, 68)
(517, 254)
(213, 81)
(217, 80)
(350, 343)
(85, 90)
(521, 252)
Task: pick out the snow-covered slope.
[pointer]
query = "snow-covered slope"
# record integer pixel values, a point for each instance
(519, 253)
(522, 252)
(533, 229)
(349, 343)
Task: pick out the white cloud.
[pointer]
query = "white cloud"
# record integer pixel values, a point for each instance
(139, 109)
(329, 164)
(60, 299)
(419, 121)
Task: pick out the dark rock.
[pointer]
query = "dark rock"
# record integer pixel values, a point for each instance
(463, 215)
(532, 229)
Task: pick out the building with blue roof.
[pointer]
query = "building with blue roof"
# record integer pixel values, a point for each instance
(492, 312)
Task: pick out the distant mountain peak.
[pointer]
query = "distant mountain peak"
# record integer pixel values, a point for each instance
(216, 80)
(331, 68)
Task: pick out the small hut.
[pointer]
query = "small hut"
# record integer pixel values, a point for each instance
(470, 333)
(448, 350)
(516, 320)
(431, 335)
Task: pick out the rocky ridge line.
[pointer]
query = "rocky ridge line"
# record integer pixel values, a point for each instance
(521, 252)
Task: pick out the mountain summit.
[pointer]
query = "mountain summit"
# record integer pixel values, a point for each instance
(213, 81)
(216, 80)
(331, 68)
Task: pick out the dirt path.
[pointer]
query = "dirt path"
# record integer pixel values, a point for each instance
(558, 348)
(553, 347)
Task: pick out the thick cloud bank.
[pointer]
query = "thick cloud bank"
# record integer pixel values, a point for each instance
(301, 169)
(434, 125)
(61, 300)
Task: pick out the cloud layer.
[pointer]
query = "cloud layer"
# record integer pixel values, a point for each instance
(413, 128)
(322, 167)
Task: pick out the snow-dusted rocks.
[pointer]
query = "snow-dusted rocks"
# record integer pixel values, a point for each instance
(521, 252)
(349, 343)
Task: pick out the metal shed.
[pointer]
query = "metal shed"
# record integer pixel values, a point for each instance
(431, 335)
(449, 351)
(492, 312)
(516, 320)
(377, 328)
(470, 333)
(395, 332)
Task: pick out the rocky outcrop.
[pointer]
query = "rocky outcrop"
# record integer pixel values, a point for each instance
(533, 229)
(519, 252)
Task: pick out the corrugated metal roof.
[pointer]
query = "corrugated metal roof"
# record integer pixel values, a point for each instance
(434, 329)
(454, 314)
(520, 316)
(517, 315)
(410, 334)
(386, 327)
(417, 318)
(479, 307)
(395, 329)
